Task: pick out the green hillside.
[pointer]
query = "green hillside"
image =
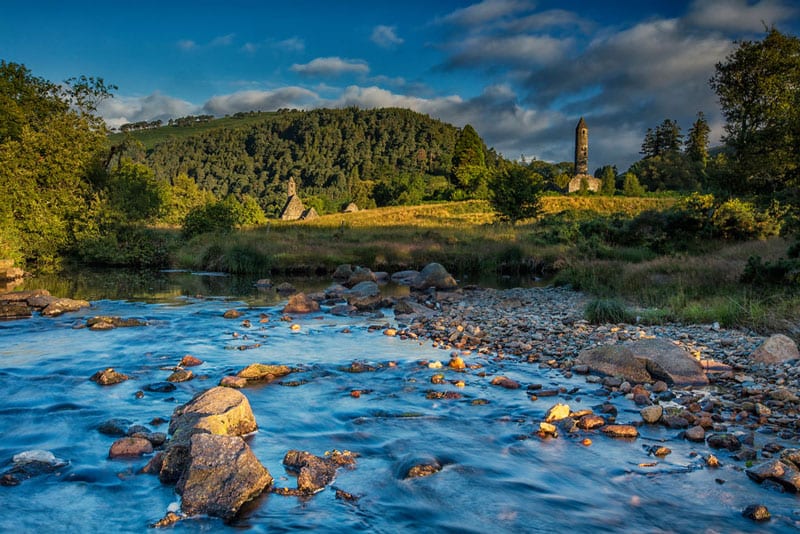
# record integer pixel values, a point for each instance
(370, 157)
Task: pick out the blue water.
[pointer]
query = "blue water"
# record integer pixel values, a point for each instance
(497, 476)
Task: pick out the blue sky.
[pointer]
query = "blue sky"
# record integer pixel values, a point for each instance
(521, 72)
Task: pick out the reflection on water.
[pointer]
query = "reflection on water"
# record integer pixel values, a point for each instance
(497, 476)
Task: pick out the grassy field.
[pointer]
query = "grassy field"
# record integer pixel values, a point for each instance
(698, 287)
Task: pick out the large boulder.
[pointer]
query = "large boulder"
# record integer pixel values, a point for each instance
(222, 474)
(614, 360)
(220, 410)
(645, 360)
(364, 289)
(669, 362)
(435, 276)
(775, 349)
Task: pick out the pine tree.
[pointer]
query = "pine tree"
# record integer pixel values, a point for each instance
(697, 140)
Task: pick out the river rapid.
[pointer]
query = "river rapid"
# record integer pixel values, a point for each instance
(497, 476)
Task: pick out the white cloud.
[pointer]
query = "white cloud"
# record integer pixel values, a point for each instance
(486, 11)
(219, 41)
(285, 97)
(292, 44)
(738, 15)
(222, 40)
(331, 66)
(122, 110)
(187, 44)
(513, 50)
(386, 36)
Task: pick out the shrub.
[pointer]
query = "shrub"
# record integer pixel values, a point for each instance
(782, 272)
(213, 217)
(611, 310)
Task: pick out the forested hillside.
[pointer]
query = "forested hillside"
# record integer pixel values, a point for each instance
(370, 157)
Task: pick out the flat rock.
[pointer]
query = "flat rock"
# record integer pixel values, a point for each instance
(180, 375)
(364, 289)
(15, 310)
(620, 431)
(776, 348)
(61, 306)
(258, 372)
(782, 472)
(614, 360)
(590, 421)
(222, 474)
(235, 382)
(505, 382)
(668, 362)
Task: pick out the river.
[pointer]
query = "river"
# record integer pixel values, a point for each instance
(498, 476)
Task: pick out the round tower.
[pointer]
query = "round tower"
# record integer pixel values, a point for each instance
(581, 148)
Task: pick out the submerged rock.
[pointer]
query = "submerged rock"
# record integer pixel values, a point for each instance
(314, 472)
(29, 464)
(424, 470)
(756, 512)
(180, 375)
(222, 474)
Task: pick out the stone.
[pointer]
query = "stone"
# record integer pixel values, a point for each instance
(668, 362)
(696, 433)
(780, 471)
(651, 414)
(590, 422)
(315, 472)
(15, 310)
(505, 382)
(190, 361)
(114, 427)
(359, 275)
(180, 375)
(620, 431)
(61, 306)
(301, 303)
(724, 441)
(108, 377)
(423, 470)
(219, 410)
(404, 278)
(104, 322)
(557, 412)
(756, 512)
(777, 348)
(160, 387)
(232, 314)
(130, 447)
(343, 272)
(434, 275)
(29, 464)
(222, 474)
(236, 382)
(285, 288)
(364, 289)
(614, 360)
(258, 372)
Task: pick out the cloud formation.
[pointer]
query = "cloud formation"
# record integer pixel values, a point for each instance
(739, 15)
(286, 97)
(123, 110)
(331, 66)
(485, 12)
(386, 36)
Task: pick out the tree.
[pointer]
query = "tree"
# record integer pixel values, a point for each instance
(515, 193)
(469, 165)
(665, 139)
(134, 192)
(631, 186)
(608, 174)
(758, 86)
(697, 141)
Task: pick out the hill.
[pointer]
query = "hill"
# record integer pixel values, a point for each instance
(370, 157)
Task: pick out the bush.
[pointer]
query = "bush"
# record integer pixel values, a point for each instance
(781, 272)
(600, 311)
(213, 217)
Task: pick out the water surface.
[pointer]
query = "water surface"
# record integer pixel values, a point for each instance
(497, 477)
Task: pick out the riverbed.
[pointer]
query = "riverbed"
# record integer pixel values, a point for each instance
(498, 475)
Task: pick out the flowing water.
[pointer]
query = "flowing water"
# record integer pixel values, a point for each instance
(497, 477)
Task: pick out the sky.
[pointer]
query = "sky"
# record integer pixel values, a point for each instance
(521, 72)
